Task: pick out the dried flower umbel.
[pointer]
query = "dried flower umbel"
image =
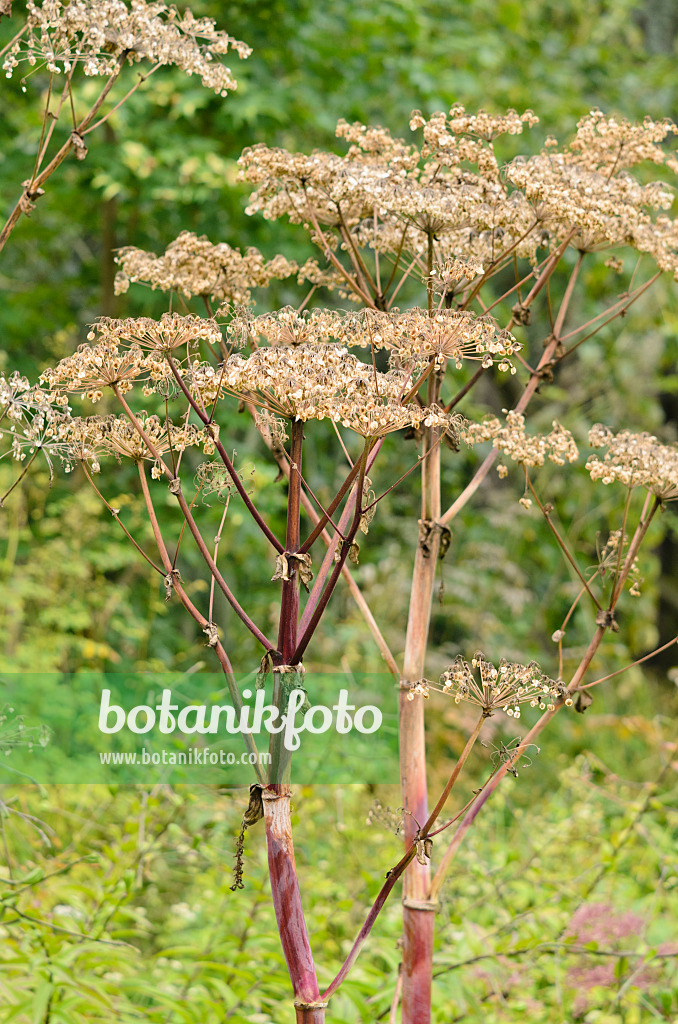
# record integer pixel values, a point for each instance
(502, 688)
(634, 460)
(512, 440)
(450, 199)
(193, 265)
(100, 33)
(317, 382)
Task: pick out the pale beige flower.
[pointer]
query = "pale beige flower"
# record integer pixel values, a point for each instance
(501, 688)
(634, 460)
(192, 265)
(98, 34)
(512, 439)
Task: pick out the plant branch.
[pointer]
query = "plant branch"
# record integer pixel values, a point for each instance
(178, 589)
(561, 543)
(207, 421)
(31, 189)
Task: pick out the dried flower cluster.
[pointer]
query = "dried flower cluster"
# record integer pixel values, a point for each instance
(192, 265)
(101, 34)
(512, 439)
(93, 368)
(128, 350)
(316, 382)
(635, 460)
(36, 419)
(19, 399)
(412, 337)
(498, 689)
(170, 332)
(116, 435)
(85, 439)
(454, 195)
(607, 143)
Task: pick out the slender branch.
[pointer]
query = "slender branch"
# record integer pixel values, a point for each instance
(638, 661)
(207, 421)
(429, 271)
(637, 539)
(355, 590)
(466, 388)
(228, 594)
(393, 1012)
(561, 543)
(35, 184)
(337, 264)
(433, 816)
(331, 508)
(620, 545)
(289, 604)
(362, 273)
(401, 282)
(178, 589)
(502, 770)
(140, 81)
(397, 261)
(310, 493)
(424, 455)
(489, 460)
(217, 541)
(514, 288)
(20, 477)
(533, 383)
(560, 319)
(395, 873)
(315, 615)
(116, 516)
(175, 486)
(623, 305)
(492, 269)
(329, 559)
(45, 116)
(13, 40)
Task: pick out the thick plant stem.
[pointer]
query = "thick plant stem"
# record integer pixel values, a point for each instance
(313, 515)
(289, 605)
(418, 919)
(287, 903)
(289, 913)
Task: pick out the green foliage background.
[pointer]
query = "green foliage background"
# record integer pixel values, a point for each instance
(74, 594)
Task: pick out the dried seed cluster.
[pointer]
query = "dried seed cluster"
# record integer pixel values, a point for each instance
(502, 688)
(512, 439)
(93, 368)
(170, 332)
(98, 34)
(635, 460)
(127, 350)
(395, 198)
(36, 419)
(412, 337)
(192, 265)
(318, 381)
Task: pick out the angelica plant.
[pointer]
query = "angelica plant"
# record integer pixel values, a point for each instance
(431, 243)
